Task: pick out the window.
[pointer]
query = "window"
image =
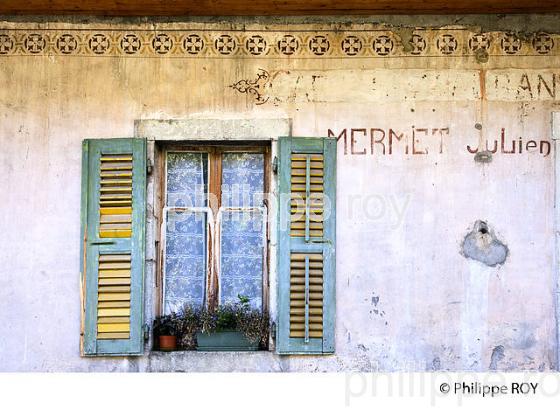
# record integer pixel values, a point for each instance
(214, 230)
(213, 242)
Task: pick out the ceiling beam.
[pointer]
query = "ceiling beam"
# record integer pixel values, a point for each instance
(271, 7)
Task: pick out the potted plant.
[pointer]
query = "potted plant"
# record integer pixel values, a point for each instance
(190, 323)
(167, 328)
(236, 327)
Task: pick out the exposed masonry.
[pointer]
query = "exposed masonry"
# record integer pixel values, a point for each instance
(482, 245)
(483, 157)
(295, 43)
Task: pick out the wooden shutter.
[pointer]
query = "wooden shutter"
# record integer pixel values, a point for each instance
(113, 235)
(306, 246)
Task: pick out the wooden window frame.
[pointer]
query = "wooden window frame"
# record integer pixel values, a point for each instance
(215, 152)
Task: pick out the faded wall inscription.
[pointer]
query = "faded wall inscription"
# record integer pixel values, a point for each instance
(426, 140)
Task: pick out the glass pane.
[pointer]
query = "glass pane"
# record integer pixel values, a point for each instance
(187, 179)
(186, 231)
(242, 179)
(241, 257)
(185, 260)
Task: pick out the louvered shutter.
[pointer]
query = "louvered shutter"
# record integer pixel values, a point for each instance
(306, 246)
(113, 234)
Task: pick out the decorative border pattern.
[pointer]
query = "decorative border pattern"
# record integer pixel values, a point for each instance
(271, 44)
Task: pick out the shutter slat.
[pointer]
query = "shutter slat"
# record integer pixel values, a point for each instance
(115, 196)
(114, 273)
(114, 319)
(116, 218)
(116, 158)
(115, 221)
(103, 305)
(110, 312)
(300, 286)
(113, 310)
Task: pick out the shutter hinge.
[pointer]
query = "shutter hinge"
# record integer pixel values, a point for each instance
(149, 167)
(273, 330)
(275, 165)
(146, 330)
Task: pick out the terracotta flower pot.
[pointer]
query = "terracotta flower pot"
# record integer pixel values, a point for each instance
(167, 343)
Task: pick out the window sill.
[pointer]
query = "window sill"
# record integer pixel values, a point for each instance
(185, 353)
(195, 361)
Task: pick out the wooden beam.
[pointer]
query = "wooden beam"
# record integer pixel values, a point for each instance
(270, 7)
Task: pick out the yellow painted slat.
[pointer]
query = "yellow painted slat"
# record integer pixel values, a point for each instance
(114, 296)
(115, 197)
(300, 217)
(115, 226)
(317, 273)
(303, 164)
(116, 174)
(115, 265)
(313, 211)
(300, 265)
(303, 157)
(300, 280)
(113, 312)
(318, 296)
(115, 203)
(299, 311)
(114, 281)
(113, 327)
(315, 319)
(301, 326)
(114, 273)
(116, 182)
(115, 211)
(116, 335)
(301, 225)
(113, 289)
(314, 234)
(298, 188)
(300, 334)
(115, 158)
(113, 319)
(301, 288)
(301, 171)
(105, 305)
(301, 303)
(116, 234)
(115, 189)
(114, 257)
(116, 218)
(301, 256)
(116, 167)
(301, 180)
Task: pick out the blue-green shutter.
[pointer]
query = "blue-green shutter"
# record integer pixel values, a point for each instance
(113, 246)
(306, 246)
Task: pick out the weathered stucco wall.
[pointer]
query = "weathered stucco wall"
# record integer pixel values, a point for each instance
(411, 108)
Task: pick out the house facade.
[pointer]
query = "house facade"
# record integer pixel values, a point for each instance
(385, 189)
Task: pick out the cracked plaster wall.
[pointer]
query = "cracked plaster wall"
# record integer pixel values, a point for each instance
(409, 188)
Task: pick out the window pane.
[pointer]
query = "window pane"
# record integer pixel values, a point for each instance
(186, 231)
(185, 260)
(241, 257)
(242, 179)
(187, 179)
